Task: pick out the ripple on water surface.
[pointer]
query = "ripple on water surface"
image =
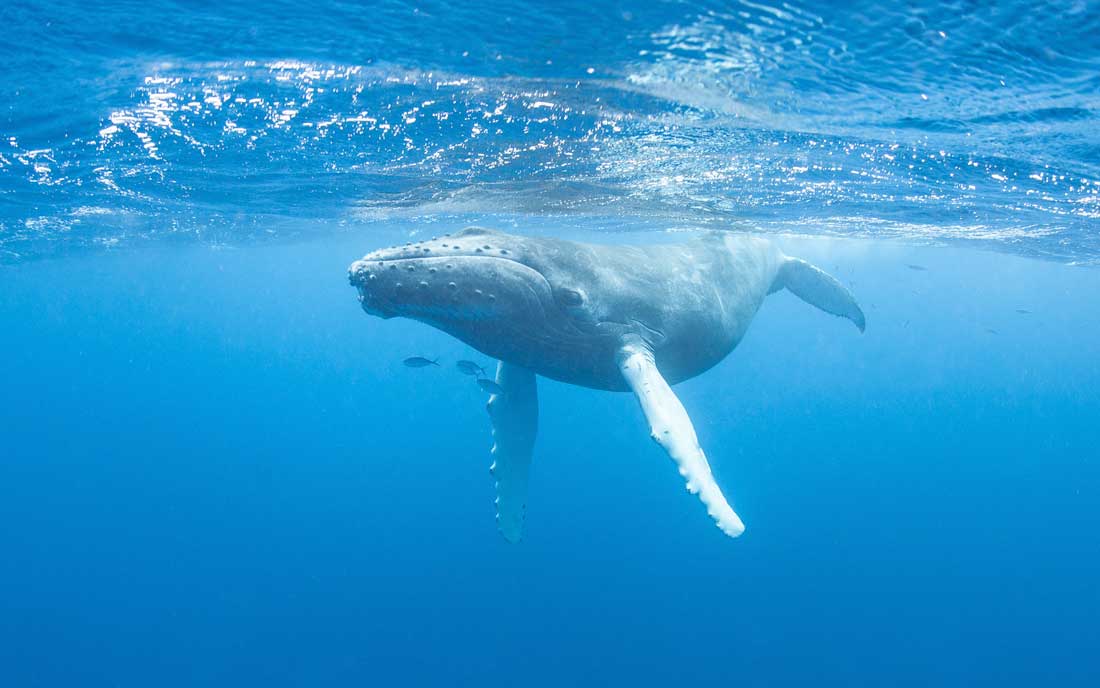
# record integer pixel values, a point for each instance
(928, 122)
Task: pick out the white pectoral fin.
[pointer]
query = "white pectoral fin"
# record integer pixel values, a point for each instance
(515, 417)
(818, 288)
(671, 428)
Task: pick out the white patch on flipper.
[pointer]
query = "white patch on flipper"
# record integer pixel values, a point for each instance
(515, 416)
(671, 427)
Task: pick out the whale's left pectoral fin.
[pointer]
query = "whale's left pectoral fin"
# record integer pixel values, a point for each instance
(515, 416)
(672, 429)
(818, 288)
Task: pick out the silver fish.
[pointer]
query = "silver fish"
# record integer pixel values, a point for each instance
(489, 386)
(419, 362)
(469, 368)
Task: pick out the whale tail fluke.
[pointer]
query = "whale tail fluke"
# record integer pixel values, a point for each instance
(818, 288)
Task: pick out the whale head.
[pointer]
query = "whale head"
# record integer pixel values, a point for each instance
(510, 297)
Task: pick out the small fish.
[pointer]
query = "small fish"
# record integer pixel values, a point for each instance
(420, 362)
(489, 386)
(469, 368)
(990, 330)
(1023, 311)
(918, 268)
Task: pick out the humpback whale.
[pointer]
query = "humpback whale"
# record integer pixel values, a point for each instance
(619, 318)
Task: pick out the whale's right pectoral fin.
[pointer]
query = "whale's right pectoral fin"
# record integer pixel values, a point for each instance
(671, 428)
(515, 416)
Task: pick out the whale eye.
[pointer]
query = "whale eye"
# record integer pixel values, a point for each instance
(570, 298)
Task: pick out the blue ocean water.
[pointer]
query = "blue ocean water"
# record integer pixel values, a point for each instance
(214, 469)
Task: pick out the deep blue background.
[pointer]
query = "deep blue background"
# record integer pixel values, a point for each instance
(216, 471)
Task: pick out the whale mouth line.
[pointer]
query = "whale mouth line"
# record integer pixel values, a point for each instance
(375, 278)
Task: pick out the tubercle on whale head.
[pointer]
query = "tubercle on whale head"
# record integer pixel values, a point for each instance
(458, 283)
(507, 296)
(472, 242)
